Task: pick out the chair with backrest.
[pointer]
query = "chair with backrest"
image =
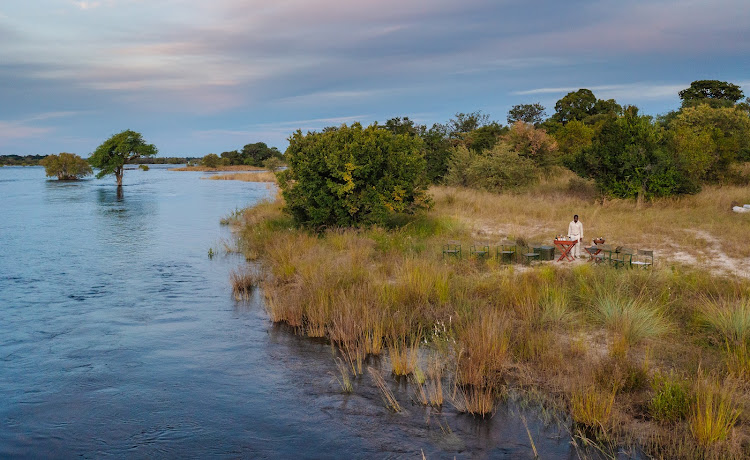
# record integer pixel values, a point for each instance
(530, 254)
(622, 257)
(605, 253)
(479, 251)
(506, 252)
(452, 248)
(644, 258)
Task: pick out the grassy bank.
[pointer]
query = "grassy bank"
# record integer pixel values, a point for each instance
(658, 358)
(263, 176)
(218, 168)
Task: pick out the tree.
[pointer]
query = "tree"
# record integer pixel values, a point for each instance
(582, 105)
(709, 140)
(628, 159)
(497, 170)
(273, 164)
(352, 176)
(437, 151)
(572, 138)
(66, 166)
(466, 122)
(532, 143)
(211, 160)
(112, 156)
(716, 93)
(398, 125)
(255, 154)
(528, 113)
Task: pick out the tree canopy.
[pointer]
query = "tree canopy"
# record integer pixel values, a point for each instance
(528, 113)
(582, 105)
(66, 166)
(118, 150)
(353, 176)
(713, 92)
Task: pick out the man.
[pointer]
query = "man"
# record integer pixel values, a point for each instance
(575, 230)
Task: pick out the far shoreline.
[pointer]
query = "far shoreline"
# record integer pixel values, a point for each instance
(218, 168)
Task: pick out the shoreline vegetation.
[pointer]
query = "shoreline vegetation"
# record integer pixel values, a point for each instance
(218, 168)
(656, 359)
(260, 176)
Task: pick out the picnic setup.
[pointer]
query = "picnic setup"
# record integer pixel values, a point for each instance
(564, 248)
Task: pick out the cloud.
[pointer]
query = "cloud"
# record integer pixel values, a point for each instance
(87, 5)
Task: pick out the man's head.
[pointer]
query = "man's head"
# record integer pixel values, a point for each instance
(575, 218)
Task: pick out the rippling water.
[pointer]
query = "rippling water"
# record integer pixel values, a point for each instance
(119, 337)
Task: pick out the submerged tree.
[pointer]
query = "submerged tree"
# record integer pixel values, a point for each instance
(66, 166)
(112, 156)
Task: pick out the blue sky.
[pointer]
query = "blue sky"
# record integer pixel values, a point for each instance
(198, 76)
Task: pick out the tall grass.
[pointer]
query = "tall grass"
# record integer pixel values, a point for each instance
(714, 412)
(554, 328)
(630, 318)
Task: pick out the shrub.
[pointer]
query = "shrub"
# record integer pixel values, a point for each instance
(211, 160)
(497, 170)
(352, 176)
(66, 166)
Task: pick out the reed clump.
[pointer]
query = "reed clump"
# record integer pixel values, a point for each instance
(243, 280)
(714, 412)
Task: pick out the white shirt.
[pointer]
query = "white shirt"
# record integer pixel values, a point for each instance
(575, 229)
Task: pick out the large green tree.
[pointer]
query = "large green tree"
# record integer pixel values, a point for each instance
(628, 159)
(716, 93)
(255, 154)
(66, 166)
(112, 156)
(582, 105)
(352, 176)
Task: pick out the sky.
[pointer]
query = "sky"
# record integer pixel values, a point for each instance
(207, 76)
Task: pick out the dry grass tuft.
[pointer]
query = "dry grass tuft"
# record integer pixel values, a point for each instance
(592, 408)
(389, 399)
(243, 280)
(714, 412)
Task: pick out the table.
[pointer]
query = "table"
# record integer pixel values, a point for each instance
(593, 252)
(565, 246)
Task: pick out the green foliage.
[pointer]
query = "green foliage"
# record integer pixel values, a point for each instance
(716, 93)
(528, 113)
(112, 155)
(671, 400)
(438, 149)
(256, 154)
(18, 160)
(273, 164)
(483, 138)
(497, 170)
(353, 176)
(143, 167)
(573, 138)
(66, 166)
(628, 159)
(532, 143)
(582, 105)
(707, 141)
(211, 160)
(467, 122)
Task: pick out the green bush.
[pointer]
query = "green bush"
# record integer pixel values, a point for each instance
(496, 170)
(66, 166)
(352, 176)
(211, 160)
(671, 400)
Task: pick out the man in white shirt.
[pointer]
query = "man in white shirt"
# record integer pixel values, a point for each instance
(575, 230)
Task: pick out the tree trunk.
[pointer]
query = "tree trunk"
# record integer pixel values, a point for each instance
(118, 175)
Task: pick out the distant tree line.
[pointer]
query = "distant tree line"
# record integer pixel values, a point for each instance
(331, 177)
(250, 155)
(19, 160)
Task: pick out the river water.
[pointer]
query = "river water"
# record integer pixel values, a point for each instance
(119, 338)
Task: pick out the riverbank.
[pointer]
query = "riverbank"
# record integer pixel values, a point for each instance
(656, 358)
(260, 176)
(218, 168)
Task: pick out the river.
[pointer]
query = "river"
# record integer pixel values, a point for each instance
(119, 337)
